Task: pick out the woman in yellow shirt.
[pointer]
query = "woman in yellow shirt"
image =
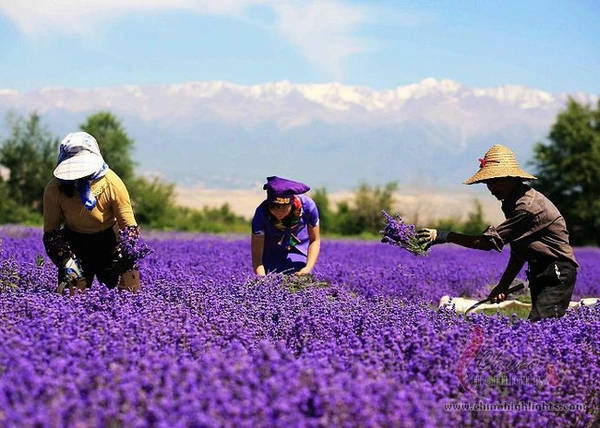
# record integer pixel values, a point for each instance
(89, 226)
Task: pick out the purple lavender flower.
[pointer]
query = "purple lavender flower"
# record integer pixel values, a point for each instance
(403, 235)
(204, 344)
(131, 248)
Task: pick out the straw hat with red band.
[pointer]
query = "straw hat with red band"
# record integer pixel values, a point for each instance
(499, 161)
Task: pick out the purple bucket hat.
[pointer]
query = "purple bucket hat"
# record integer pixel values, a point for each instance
(280, 190)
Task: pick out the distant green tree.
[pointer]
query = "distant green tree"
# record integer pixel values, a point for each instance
(364, 214)
(325, 215)
(114, 143)
(475, 223)
(343, 223)
(29, 154)
(207, 219)
(153, 201)
(449, 223)
(14, 213)
(568, 170)
(223, 215)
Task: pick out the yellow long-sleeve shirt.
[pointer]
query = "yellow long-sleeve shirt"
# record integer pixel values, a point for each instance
(113, 205)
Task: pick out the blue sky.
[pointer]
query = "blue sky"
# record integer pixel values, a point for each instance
(550, 45)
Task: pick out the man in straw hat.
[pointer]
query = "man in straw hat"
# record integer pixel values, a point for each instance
(89, 226)
(285, 229)
(534, 228)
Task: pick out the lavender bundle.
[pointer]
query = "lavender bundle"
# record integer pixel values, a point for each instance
(403, 235)
(131, 248)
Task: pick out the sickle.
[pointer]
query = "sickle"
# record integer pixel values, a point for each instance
(517, 287)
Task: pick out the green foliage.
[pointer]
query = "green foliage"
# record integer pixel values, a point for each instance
(155, 207)
(299, 283)
(115, 145)
(39, 260)
(341, 223)
(209, 220)
(223, 215)
(325, 214)
(474, 225)
(29, 154)
(361, 217)
(9, 275)
(522, 313)
(153, 201)
(13, 212)
(449, 223)
(568, 170)
(364, 215)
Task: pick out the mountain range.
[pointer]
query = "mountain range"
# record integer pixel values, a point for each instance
(229, 136)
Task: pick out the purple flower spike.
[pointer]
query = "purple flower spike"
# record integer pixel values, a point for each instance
(132, 247)
(403, 235)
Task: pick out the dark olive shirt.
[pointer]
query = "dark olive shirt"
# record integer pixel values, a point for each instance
(534, 228)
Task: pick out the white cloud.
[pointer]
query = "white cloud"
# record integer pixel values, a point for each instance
(323, 30)
(42, 17)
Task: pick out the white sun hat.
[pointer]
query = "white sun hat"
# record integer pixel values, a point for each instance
(79, 156)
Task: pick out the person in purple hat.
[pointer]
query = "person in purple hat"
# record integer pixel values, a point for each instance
(285, 229)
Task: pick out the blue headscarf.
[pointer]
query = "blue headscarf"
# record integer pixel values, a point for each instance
(83, 186)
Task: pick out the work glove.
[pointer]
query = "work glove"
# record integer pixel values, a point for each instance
(122, 261)
(429, 237)
(71, 276)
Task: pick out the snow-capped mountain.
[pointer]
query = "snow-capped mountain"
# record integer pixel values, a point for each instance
(330, 135)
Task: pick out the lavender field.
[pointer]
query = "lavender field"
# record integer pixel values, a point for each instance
(362, 343)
